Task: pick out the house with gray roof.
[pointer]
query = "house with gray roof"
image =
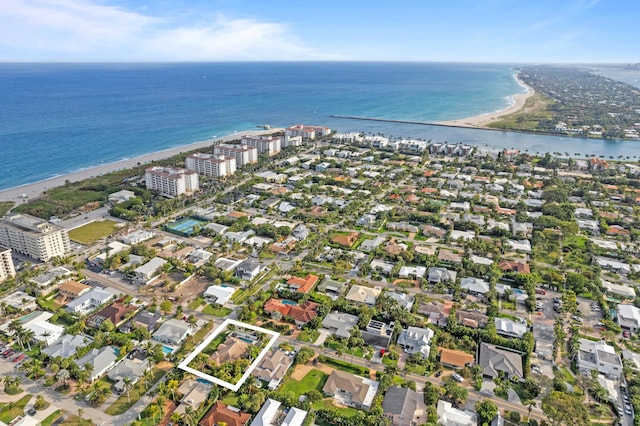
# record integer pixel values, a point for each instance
(340, 324)
(332, 288)
(441, 275)
(172, 331)
(351, 390)
(475, 286)
(403, 407)
(66, 346)
(495, 359)
(403, 299)
(129, 367)
(509, 328)
(145, 272)
(273, 367)
(101, 360)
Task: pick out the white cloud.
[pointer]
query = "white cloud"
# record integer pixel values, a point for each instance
(79, 30)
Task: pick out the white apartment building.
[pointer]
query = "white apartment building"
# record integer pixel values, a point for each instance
(33, 237)
(244, 154)
(6, 264)
(171, 182)
(211, 165)
(598, 356)
(265, 144)
(307, 132)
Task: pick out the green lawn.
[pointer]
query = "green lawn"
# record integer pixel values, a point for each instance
(357, 351)
(314, 379)
(345, 366)
(230, 399)
(74, 420)
(328, 405)
(123, 403)
(308, 336)
(5, 206)
(190, 343)
(196, 303)
(216, 311)
(92, 232)
(51, 418)
(9, 411)
(568, 377)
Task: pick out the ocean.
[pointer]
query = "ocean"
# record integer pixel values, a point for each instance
(60, 118)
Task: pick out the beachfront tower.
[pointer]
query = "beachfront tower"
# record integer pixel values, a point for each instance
(217, 166)
(6, 264)
(171, 182)
(34, 237)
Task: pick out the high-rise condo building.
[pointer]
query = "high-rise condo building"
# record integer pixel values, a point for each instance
(172, 182)
(34, 237)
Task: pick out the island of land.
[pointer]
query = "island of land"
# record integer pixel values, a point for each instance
(308, 276)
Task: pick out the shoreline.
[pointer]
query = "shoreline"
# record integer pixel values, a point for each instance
(481, 121)
(35, 189)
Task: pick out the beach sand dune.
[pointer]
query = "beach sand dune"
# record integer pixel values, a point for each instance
(33, 190)
(481, 121)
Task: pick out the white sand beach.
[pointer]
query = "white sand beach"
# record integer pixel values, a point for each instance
(484, 119)
(33, 190)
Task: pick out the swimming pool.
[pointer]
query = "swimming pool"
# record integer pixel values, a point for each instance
(185, 226)
(167, 350)
(517, 291)
(289, 302)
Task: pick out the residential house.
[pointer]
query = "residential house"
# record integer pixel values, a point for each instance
(629, 317)
(371, 244)
(378, 333)
(598, 356)
(454, 359)
(447, 257)
(514, 266)
(249, 269)
(100, 360)
(450, 416)
(509, 328)
(302, 285)
(340, 324)
(301, 313)
(382, 266)
(221, 413)
(351, 390)
(232, 349)
(362, 294)
(271, 414)
(441, 275)
(332, 288)
(116, 313)
(90, 301)
(172, 331)
(403, 299)
(66, 345)
(273, 367)
(145, 272)
(44, 331)
(472, 319)
(412, 272)
(475, 286)
(414, 339)
(194, 392)
(143, 319)
(20, 301)
(403, 406)
(218, 294)
(436, 312)
(131, 367)
(72, 289)
(494, 360)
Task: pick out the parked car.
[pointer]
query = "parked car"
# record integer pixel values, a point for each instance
(626, 334)
(540, 291)
(31, 411)
(19, 358)
(577, 318)
(457, 377)
(438, 374)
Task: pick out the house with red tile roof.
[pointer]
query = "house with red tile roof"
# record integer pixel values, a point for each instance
(220, 413)
(301, 313)
(303, 285)
(514, 266)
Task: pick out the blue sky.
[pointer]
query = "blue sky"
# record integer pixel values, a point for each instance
(511, 31)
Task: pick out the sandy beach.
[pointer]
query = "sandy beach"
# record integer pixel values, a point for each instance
(34, 190)
(484, 119)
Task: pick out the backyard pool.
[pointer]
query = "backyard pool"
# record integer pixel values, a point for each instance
(289, 302)
(167, 350)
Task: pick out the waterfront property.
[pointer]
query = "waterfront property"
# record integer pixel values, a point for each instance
(33, 237)
(171, 182)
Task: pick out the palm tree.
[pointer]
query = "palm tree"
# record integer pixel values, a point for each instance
(530, 408)
(128, 384)
(63, 375)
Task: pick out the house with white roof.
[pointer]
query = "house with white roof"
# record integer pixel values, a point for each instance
(403, 299)
(89, 301)
(509, 328)
(218, 294)
(450, 416)
(412, 272)
(145, 272)
(101, 360)
(45, 332)
(415, 339)
(172, 331)
(598, 356)
(622, 290)
(629, 317)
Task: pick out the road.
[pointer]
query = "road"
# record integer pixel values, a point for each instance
(536, 413)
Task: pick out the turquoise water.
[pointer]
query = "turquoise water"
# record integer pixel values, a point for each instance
(167, 350)
(60, 118)
(289, 302)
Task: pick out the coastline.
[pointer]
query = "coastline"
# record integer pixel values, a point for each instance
(481, 121)
(34, 190)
